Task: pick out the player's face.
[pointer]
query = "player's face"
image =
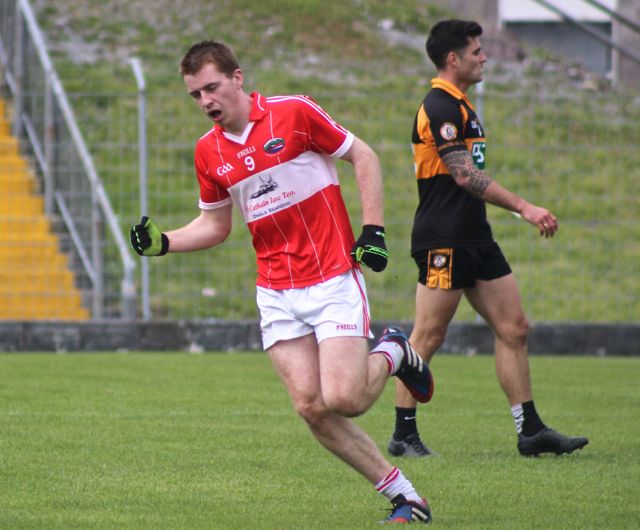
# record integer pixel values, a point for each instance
(217, 94)
(471, 63)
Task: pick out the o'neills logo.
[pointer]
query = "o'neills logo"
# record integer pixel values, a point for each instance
(273, 146)
(346, 326)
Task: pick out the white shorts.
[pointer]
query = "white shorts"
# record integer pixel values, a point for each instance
(335, 308)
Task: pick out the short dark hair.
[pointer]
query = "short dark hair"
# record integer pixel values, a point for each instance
(450, 35)
(209, 51)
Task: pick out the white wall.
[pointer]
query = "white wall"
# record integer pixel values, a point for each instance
(531, 11)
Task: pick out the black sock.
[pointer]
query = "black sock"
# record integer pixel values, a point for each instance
(405, 423)
(532, 423)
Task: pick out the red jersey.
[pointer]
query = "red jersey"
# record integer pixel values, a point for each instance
(280, 173)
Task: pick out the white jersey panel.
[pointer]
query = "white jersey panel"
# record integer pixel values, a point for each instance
(283, 185)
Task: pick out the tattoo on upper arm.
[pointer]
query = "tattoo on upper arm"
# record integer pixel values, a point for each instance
(469, 177)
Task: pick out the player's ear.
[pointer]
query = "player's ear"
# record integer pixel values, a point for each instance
(453, 59)
(237, 78)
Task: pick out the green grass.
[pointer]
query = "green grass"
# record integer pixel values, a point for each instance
(180, 441)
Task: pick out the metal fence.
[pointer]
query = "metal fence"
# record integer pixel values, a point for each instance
(575, 153)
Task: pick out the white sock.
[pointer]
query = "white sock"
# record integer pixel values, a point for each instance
(392, 352)
(518, 416)
(394, 484)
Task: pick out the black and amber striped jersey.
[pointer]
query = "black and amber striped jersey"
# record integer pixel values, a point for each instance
(447, 215)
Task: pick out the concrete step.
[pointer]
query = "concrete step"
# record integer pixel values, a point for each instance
(41, 313)
(23, 203)
(9, 162)
(23, 224)
(17, 182)
(12, 256)
(51, 299)
(34, 238)
(8, 146)
(12, 171)
(42, 306)
(34, 280)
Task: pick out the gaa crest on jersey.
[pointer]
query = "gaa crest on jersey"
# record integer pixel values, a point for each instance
(448, 130)
(273, 146)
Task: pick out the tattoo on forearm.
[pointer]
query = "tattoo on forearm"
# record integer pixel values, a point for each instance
(460, 165)
(478, 182)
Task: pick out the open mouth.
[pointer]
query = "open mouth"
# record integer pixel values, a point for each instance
(214, 114)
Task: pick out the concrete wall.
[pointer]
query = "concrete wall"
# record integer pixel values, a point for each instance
(568, 41)
(483, 11)
(221, 336)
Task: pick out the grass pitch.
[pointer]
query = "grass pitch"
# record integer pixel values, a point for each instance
(180, 441)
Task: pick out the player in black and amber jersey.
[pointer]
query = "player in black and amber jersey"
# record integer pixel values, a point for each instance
(447, 215)
(453, 246)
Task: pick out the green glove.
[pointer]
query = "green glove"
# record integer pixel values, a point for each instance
(147, 240)
(371, 249)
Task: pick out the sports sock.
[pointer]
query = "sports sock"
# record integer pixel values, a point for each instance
(392, 352)
(394, 484)
(518, 417)
(526, 418)
(405, 423)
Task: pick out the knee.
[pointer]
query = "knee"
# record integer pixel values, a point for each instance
(312, 412)
(344, 404)
(521, 329)
(427, 341)
(516, 331)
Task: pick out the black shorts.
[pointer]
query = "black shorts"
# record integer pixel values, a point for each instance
(460, 267)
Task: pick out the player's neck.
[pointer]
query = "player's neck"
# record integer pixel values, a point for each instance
(451, 77)
(240, 121)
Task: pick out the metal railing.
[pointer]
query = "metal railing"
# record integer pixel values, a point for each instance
(44, 122)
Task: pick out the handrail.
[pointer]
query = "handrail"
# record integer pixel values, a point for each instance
(8, 76)
(82, 252)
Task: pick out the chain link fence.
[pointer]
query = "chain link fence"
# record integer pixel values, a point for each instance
(574, 153)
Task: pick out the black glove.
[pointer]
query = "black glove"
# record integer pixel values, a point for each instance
(147, 240)
(370, 248)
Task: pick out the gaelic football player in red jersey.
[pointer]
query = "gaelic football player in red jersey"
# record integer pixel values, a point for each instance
(273, 158)
(453, 246)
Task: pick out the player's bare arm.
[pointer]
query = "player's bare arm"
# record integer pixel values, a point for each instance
(207, 230)
(478, 183)
(368, 172)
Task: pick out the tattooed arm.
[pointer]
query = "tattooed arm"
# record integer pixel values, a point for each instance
(478, 183)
